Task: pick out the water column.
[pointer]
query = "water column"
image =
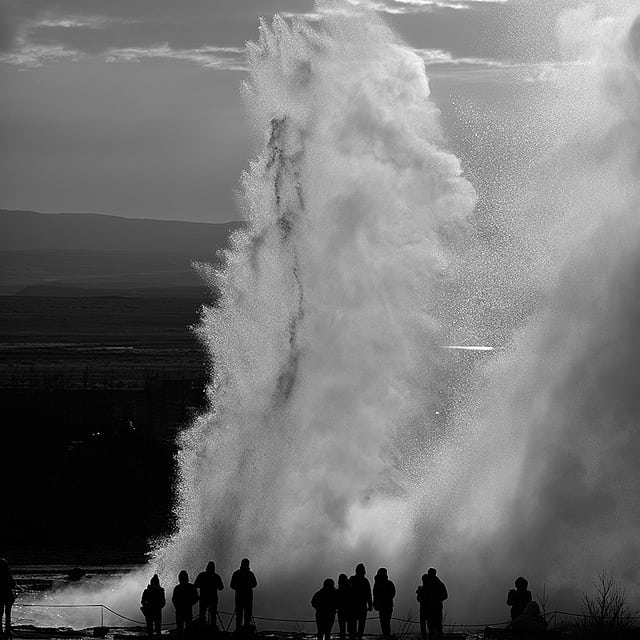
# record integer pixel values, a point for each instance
(323, 344)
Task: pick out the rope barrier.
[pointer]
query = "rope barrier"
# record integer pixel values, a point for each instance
(48, 606)
(104, 607)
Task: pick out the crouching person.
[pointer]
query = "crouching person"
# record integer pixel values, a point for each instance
(530, 623)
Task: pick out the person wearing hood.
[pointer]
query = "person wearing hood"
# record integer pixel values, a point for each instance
(431, 594)
(362, 601)
(344, 605)
(243, 582)
(153, 601)
(208, 583)
(185, 595)
(519, 598)
(325, 603)
(384, 591)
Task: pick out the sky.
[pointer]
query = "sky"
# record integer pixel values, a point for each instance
(135, 108)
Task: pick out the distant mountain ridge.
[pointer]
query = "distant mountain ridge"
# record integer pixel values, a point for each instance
(30, 230)
(92, 254)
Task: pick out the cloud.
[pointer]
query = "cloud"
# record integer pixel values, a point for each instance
(399, 7)
(50, 37)
(30, 51)
(30, 55)
(35, 33)
(209, 57)
(440, 56)
(74, 22)
(439, 60)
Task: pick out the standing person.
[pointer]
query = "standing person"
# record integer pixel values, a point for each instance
(344, 605)
(185, 595)
(362, 602)
(325, 604)
(7, 596)
(384, 591)
(243, 582)
(152, 602)
(518, 598)
(431, 594)
(208, 583)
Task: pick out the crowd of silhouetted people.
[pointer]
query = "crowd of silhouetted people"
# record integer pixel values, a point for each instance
(350, 602)
(203, 591)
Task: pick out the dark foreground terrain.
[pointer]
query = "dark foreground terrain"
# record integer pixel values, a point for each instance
(94, 391)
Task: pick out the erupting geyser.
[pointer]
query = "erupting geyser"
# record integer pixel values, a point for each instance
(339, 431)
(322, 343)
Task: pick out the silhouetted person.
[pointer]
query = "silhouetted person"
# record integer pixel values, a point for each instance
(362, 602)
(519, 598)
(344, 604)
(208, 583)
(152, 602)
(325, 603)
(243, 582)
(384, 591)
(431, 594)
(530, 622)
(185, 595)
(7, 596)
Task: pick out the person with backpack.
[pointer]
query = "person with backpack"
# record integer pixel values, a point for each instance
(431, 594)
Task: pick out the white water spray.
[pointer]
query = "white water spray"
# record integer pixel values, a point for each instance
(326, 443)
(542, 454)
(323, 342)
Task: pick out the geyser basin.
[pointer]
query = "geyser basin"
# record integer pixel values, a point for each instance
(339, 430)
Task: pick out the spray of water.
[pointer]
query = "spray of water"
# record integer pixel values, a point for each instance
(323, 342)
(338, 431)
(542, 460)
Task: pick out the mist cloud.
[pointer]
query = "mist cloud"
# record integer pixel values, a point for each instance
(546, 465)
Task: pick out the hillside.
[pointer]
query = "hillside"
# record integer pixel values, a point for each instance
(52, 254)
(29, 230)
